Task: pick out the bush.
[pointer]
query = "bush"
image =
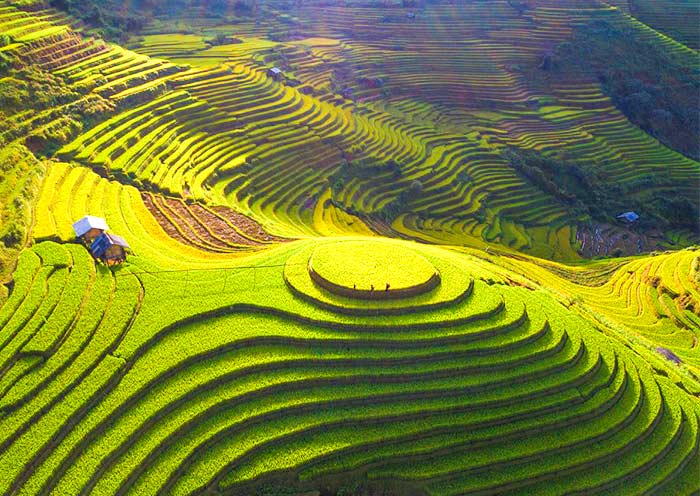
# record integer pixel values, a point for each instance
(416, 187)
(679, 212)
(113, 19)
(13, 237)
(220, 39)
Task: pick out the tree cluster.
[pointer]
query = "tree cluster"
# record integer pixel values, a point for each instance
(656, 89)
(585, 191)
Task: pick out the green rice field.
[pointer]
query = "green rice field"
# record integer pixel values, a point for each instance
(340, 281)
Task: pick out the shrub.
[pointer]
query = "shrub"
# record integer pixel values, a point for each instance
(416, 187)
(13, 237)
(586, 192)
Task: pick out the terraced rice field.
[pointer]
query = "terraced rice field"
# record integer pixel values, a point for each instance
(275, 331)
(117, 394)
(679, 20)
(226, 133)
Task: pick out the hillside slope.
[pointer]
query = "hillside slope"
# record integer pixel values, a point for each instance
(355, 126)
(366, 275)
(172, 379)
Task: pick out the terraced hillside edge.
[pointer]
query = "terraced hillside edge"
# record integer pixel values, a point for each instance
(367, 141)
(172, 401)
(392, 267)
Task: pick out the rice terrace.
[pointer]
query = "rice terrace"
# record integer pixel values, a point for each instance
(349, 247)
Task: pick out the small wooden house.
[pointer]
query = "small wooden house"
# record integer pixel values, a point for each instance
(629, 217)
(89, 228)
(275, 73)
(109, 248)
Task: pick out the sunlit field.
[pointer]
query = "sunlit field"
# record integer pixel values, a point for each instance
(364, 248)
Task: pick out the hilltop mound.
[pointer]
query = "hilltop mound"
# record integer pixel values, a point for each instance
(364, 269)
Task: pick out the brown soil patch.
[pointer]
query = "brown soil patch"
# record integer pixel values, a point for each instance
(609, 240)
(246, 225)
(216, 229)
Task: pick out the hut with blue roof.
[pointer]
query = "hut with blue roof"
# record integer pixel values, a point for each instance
(275, 73)
(109, 248)
(629, 217)
(89, 228)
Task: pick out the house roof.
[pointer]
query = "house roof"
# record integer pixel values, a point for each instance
(87, 223)
(629, 216)
(104, 241)
(276, 70)
(117, 240)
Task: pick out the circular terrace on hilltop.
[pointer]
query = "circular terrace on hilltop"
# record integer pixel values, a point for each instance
(372, 270)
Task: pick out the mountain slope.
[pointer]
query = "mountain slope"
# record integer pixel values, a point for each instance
(232, 135)
(277, 328)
